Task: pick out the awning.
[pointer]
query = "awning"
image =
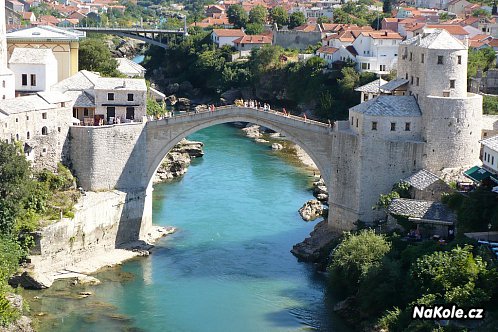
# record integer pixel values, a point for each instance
(477, 174)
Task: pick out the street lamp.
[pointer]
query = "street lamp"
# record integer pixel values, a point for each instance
(489, 228)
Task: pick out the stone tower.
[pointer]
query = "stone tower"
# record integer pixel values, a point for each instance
(7, 85)
(435, 65)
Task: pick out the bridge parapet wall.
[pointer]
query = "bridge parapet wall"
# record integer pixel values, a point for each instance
(109, 157)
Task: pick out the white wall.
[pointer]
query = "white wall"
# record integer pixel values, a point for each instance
(46, 76)
(490, 159)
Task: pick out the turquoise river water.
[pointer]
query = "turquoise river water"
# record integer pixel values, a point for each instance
(227, 268)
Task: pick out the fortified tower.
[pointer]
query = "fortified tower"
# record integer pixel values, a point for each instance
(435, 65)
(7, 86)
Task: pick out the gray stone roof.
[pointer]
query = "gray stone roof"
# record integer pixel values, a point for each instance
(372, 87)
(25, 104)
(45, 32)
(393, 85)
(389, 106)
(32, 56)
(129, 68)
(436, 39)
(427, 210)
(82, 80)
(54, 97)
(113, 83)
(491, 143)
(81, 99)
(422, 179)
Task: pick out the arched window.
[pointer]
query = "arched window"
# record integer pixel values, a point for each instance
(17, 137)
(27, 135)
(44, 131)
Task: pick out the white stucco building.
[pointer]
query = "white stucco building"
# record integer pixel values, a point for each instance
(377, 51)
(35, 69)
(489, 154)
(223, 37)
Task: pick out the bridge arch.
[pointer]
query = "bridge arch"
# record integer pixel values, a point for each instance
(295, 129)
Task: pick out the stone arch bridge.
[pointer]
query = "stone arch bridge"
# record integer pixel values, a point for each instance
(126, 156)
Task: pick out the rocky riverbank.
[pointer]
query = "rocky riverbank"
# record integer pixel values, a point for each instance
(177, 161)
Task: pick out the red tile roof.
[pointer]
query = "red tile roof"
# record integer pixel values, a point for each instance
(452, 29)
(229, 32)
(327, 50)
(253, 39)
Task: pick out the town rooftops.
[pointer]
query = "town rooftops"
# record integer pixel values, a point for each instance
(44, 32)
(437, 39)
(253, 39)
(82, 80)
(451, 28)
(327, 50)
(372, 87)
(422, 179)
(229, 32)
(491, 143)
(433, 212)
(382, 34)
(32, 56)
(389, 106)
(54, 97)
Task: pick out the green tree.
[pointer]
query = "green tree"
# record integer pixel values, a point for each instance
(482, 59)
(258, 14)
(94, 55)
(154, 108)
(254, 28)
(454, 276)
(323, 19)
(296, 19)
(237, 16)
(481, 13)
(357, 255)
(387, 6)
(279, 16)
(490, 105)
(264, 59)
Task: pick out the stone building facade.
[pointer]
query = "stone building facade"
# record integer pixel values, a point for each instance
(41, 123)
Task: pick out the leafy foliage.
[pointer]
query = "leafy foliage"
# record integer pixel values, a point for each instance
(357, 255)
(296, 19)
(254, 28)
(94, 55)
(482, 59)
(154, 108)
(258, 14)
(279, 16)
(237, 16)
(490, 104)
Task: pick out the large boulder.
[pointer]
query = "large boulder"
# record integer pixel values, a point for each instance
(230, 95)
(276, 146)
(311, 210)
(183, 104)
(31, 280)
(252, 131)
(316, 248)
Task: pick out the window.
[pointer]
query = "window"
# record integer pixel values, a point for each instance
(382, 67)
(59, 129)
(27, 117)
(365, 65)
(85, 112)
(406, 76)
(439, 59)
(356, 122)
(111, 113)
(27, 135)
(33, 80)
(365, 97)
(393, 126)
(130, 97)
(459, 59)
(492, 160)
(452, 84)
(17, 119)
(17, 137)
(422, 58)
(418, 81)
(374, 125)
(407, 126)
(411, 79)
(110, 96)
(44, 115)
(24, 79)
(352, 120)
(44, 131)
(411, 56)
(446, 93)
(3, 84)
(63, 104)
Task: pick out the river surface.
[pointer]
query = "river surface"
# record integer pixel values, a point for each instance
(227, 268)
